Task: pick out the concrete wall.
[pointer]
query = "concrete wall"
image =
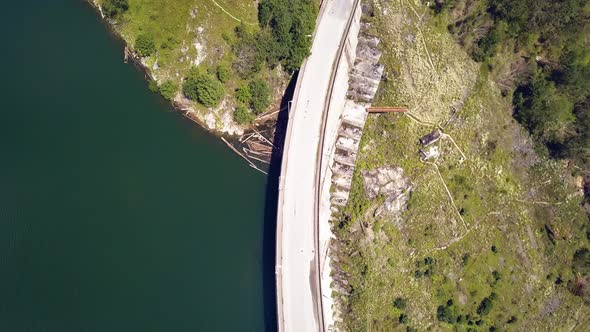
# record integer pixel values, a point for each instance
(337, 102)
(356, 82)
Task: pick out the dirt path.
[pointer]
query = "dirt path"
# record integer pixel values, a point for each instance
(230, 15)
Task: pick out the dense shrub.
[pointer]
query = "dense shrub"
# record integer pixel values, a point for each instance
(400, 303)
(284, 37)
(242, 115)
(168, 89)
(113, 8)
(153, 86)
(248, 59)
(287, 25)
(543, 111)
(581, 261)
(485, 306)
(403, 319)
(223, 72)
(446, 313)
(488, 44)
(202, 87)
(243, 94)
(145, 45)
(260, 96)
(496, 277)
(465, 259)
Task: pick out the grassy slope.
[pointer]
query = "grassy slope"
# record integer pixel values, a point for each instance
(511, 199)
(178, 25)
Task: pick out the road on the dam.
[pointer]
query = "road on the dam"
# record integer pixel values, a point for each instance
(298, 288)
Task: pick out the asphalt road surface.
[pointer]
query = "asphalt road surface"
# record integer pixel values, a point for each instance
(296, 267)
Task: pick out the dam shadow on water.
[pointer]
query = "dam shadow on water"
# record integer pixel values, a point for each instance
(270, 211)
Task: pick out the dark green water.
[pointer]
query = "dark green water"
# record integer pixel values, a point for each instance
(115, 213)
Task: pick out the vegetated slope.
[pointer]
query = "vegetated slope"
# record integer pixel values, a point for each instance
(222, 60)
(494, 234)
(539, 54)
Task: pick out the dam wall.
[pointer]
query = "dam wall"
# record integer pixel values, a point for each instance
(357, 78)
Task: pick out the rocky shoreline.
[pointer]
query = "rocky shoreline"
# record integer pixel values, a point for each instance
(255, 143)
(179, 103)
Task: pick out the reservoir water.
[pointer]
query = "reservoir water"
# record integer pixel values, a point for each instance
(117, 214)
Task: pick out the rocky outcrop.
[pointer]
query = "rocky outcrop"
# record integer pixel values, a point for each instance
(388, 182)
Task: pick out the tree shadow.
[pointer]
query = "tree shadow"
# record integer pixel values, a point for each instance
(270, 211)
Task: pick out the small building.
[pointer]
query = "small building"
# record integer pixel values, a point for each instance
(431, 137)
(430, 153)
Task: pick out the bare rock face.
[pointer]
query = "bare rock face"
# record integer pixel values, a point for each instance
(383, 180)
(390, 182)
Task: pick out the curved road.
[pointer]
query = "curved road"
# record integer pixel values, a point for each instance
(299, 303)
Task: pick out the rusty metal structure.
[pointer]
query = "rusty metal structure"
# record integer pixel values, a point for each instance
(386, 109)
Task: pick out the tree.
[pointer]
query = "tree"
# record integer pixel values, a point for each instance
(145, 45)
(168, 89)
(203, 87)
(242, 115)
(260, 96)
(114, 8)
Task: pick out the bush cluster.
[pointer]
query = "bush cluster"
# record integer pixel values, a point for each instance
(243, 116)
(168, 89)
(260, 99)
(447, 313)
(288, 26)
(114, 8)
(485, 306)
(201, 86)
(145, 44)
(253, 99)
(243, 94)
(223, 72)
(581, 262)
(284, 37)
(400, 303)
(428, 265)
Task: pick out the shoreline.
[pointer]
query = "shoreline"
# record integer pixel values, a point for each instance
(136, 62)
(231, 138)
